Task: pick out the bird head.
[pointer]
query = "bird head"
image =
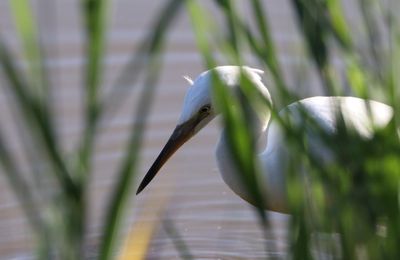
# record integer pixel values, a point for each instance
(199, 109)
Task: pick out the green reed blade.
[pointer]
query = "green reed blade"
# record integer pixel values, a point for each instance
(127, 169)
(95, 17)
(29, 36)
(35, 116)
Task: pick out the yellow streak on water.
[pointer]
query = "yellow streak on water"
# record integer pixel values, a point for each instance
(139, 238)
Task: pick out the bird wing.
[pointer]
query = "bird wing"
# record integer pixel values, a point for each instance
(310, 116)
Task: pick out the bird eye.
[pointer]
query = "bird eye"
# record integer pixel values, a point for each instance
(205, 109)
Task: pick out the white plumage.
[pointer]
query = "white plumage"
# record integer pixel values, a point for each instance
(199, 109)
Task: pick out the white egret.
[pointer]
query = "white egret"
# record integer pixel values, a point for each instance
(199, 109)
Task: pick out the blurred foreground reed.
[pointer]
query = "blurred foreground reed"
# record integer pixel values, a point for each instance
(359, 58)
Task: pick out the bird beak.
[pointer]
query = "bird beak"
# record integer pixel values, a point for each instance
(181, 134)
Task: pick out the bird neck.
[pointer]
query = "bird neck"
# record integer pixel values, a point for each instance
(257, 120)
(226, 164)
(257, 114)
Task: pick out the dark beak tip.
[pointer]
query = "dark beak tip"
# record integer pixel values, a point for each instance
(140, 188)
(180, 135)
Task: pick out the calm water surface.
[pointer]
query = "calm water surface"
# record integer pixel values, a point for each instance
(212, 221)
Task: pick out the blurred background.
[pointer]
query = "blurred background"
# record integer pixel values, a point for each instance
(188, 199)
